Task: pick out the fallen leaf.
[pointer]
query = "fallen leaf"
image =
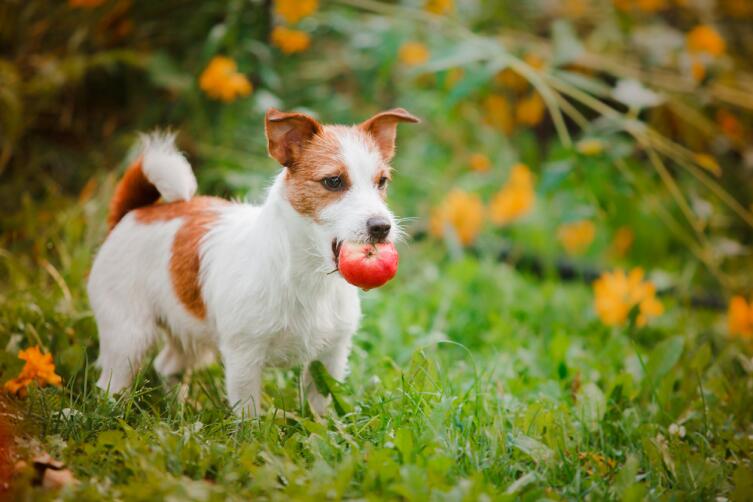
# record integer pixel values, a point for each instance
(58, 479)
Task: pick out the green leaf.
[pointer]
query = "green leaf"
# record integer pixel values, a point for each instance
(72, 359)
(591, 406)
(404, 443)
(663, 358)
(474, 78)
(10, 366)
(328, 386)
(538, 451)
(554, 175)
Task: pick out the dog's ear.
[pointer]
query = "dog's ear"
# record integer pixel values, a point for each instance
(383, 128)
(287, 133)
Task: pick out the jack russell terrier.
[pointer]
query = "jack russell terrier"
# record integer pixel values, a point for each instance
(253, 283)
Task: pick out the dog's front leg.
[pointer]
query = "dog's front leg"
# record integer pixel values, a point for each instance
(336, 361)
(243, 378)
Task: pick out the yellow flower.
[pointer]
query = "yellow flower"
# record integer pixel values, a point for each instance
(439, 6)
(515, 199)
(615, 295)
(576, 237)
(622, 241)
(221, 80)
(511, 79)
(590, 146)
(740, 317)
(498, 113)
(39, 368)
(479, 162)
(708, 162)
(460, 212)
(293, 11)
(290, 41)
(85, 4)
(530, 110)
(413, 53)
(705, 39)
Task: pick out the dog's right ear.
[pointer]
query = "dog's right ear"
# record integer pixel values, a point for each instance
(287, 133)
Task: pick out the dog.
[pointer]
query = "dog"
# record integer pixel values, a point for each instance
(252, 283)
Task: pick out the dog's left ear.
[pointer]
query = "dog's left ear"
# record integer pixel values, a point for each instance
(383, 128)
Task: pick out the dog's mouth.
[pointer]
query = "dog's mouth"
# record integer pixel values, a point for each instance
(336, 245)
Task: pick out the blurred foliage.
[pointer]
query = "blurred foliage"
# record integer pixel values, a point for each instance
(615, 132)
(630, 115)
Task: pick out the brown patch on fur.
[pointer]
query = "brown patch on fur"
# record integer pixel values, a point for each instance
(319, 159)
(198, 214)
(132, 191)
(287, 134)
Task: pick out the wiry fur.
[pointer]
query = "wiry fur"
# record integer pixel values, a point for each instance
(166, 168)
(267, 291)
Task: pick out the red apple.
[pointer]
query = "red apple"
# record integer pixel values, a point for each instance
(367, 265)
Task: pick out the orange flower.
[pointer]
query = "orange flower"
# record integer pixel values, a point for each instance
(622, 241)
(479, 162)
(460, 212)
(615, 295)
(498, 113)
(516, 197)
(576, 237)
(293, 11)
(740, 317)
(705, 39)
(414, 53)
(511, 79)
(85, 4)
(39, 368)
(290, 41)
(439, 6)
(221, 80)
(730, 126)
(530, 110)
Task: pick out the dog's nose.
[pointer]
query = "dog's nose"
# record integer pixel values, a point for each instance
(378, 227)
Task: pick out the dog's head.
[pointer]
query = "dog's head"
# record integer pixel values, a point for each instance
(338, 175)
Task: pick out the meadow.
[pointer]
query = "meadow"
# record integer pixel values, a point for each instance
(572, 317)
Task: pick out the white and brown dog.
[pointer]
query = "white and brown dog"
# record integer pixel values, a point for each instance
(253, 283)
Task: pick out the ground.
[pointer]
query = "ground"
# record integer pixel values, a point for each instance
(469, 379)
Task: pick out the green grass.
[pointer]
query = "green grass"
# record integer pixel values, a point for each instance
(468, 379)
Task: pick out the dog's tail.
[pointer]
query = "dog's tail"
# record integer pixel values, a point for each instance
(160, 171)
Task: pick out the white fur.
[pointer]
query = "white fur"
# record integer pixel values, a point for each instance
(167, 168)
(266, 279)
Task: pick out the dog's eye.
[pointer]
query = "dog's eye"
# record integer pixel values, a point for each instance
(383, 182)
(333, 183)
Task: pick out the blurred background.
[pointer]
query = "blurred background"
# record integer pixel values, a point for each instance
(575, 135)
(599, 148)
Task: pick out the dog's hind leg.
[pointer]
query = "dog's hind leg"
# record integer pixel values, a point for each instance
(171, 360)
(123, 342)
